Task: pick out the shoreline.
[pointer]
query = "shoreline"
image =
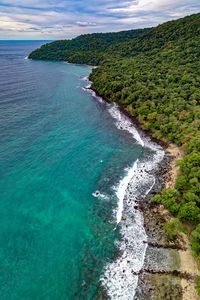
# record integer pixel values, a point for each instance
(183, 269)
(185, 286)
(187, 261)
(123, 274)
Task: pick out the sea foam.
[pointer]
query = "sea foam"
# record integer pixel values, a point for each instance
(123, 123)
(121, 191)
(120, 277)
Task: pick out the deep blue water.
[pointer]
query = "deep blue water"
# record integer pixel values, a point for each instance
(58, 145)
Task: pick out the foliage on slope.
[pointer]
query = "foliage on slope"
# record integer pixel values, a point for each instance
(155, 39)
(85, 49)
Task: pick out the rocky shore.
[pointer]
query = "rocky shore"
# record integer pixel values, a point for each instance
(169, 271)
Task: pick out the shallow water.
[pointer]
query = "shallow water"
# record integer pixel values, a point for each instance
(58, 145)
(121, 275)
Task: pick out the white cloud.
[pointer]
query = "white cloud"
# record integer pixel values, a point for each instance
(164, 7)
(58, 18)
(85, 24)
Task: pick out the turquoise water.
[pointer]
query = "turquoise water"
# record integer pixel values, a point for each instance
(57, 146)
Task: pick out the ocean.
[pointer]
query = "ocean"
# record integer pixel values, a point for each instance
(59, 144)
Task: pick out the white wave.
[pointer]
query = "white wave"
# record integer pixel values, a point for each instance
(90, 91)
(120, 277)
(124, 123)
(89, 84)
(86, 78)
(96, 194)
(121, 191)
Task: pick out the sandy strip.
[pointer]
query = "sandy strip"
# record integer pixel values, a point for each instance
(189, 265)
(176, 153)
(187, 261)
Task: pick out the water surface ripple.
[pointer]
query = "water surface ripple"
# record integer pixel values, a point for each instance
(58, 145)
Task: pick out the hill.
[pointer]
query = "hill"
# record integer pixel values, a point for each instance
(87, 48)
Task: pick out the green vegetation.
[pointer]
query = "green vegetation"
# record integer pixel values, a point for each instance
(195, 237)
(173, 227)
(154, 74)
(85, 49)
(198, 285)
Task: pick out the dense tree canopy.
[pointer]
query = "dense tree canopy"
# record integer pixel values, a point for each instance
(154, 74)
(86, 49)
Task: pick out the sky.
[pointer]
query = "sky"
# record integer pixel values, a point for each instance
(59, 19)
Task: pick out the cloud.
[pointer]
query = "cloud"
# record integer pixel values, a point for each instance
(86, 24)
(53, 19)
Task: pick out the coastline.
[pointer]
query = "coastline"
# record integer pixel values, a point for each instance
(177, 278)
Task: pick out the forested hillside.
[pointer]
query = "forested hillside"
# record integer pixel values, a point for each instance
(154, 75)
(87, 48)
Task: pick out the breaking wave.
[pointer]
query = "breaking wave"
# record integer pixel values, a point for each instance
(120, 277)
